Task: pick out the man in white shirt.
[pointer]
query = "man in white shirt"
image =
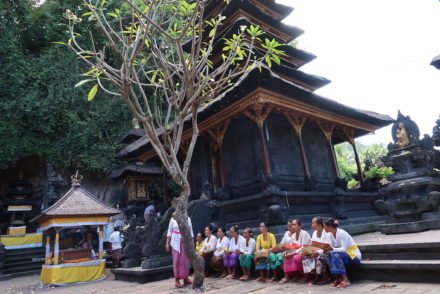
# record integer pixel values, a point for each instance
(116, 242)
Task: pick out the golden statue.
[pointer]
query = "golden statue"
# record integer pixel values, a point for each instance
(402, 136)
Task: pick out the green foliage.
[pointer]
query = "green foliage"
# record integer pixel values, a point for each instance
(41, 113)
(367, 153)
(378, 172)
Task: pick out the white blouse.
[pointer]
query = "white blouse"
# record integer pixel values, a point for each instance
(233, 246)
(303, 239)
(221, 245)
(343, 242)
(325, 237)
(286, 238)
(249, 248)
(174, 233)
(209, 245)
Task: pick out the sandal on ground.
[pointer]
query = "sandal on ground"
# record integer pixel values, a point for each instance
(187, 281)
(271, 280)
(261, 280)
(283, 281)
(177, 284)
(343, 284)
(336, 283)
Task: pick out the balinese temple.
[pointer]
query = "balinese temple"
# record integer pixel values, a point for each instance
(266, 149)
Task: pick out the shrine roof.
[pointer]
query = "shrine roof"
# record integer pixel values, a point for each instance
(135, 170)
(77, 202)
(274, 83)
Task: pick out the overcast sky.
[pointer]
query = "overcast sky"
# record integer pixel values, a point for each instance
(376, 53)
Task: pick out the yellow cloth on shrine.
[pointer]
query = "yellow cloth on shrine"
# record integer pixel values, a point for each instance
(70, 273)
(22, 241)
(16, 230)
(62, 221)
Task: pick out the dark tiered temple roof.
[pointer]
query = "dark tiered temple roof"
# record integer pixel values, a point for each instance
(132, 135)
(135, 170)
(269, 80)
(285, 80)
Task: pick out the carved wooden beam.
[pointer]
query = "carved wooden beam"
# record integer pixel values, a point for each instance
(296, 120)
(260, 112)
(327, 129)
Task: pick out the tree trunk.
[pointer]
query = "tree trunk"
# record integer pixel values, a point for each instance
(181, 216)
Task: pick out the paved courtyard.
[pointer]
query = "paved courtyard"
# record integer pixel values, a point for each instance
(25, 285)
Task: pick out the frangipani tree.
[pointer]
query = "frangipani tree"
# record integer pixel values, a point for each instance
(159, 60)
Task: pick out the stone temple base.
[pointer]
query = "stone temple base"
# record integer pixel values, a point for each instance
(410, 227)
(428, 221)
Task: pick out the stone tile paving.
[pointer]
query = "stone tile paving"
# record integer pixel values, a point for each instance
(214, 286)
(31, 284)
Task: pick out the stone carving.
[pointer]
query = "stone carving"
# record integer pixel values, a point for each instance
(411, 192)
(404, 131)
(402, 138)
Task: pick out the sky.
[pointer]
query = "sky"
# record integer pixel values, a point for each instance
(377, 54)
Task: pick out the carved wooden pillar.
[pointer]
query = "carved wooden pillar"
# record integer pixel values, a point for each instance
(328, 129)
(297, 123)
(101, 242)
(47, 256)
(350, 137)
(218, 135)
(56, 250)
(259, 117)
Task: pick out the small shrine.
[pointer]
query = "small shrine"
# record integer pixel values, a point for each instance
(77, 212)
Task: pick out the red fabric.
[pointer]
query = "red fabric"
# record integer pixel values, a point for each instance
(293, 264)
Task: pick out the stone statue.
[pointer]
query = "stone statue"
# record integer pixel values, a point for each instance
(405, 132)
(402, 136)
(135, 123)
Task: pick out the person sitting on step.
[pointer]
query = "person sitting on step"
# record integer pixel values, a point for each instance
(344, 252)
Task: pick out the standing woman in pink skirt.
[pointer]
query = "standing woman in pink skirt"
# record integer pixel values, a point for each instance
(181, 262)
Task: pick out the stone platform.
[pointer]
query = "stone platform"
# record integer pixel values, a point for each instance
(140, 275)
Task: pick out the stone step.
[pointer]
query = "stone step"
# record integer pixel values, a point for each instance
(413, 271)
(27, 251)
(137, 274)
(23, 268)
(402, 251)
(11, 266)
(27, 273)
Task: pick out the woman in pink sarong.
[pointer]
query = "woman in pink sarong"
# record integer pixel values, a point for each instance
(292, 259)
(181, 262)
